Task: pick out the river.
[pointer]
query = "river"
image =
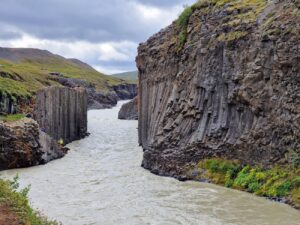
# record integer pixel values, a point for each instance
(101, 182)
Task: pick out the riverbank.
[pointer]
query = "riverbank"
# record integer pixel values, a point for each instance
(279, 183)
(15, 208)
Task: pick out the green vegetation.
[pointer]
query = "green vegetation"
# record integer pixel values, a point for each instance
(131, 77)
(248, 11)
(12, 117)
(18, 202)
(232, 36)
(276, 182)
(34, 74)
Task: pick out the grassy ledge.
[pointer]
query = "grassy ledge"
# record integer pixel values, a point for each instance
(18, 203)
(12, 117)
(281, 183)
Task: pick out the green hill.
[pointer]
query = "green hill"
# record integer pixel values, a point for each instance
(24, 71)
(127, 76)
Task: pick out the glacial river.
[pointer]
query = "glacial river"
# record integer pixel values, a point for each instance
(101, 182)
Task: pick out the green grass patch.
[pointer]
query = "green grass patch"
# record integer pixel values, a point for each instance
(12, 117)
(35, 75)
(276, 182)
(17, 201)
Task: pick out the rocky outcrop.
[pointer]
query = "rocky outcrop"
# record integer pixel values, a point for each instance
(129, 111)
(224, 84)
(22, 144)
(62, 112)
(7, 104)
(126, 91)
(98, 99)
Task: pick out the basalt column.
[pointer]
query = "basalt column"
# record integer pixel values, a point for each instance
(62, 112)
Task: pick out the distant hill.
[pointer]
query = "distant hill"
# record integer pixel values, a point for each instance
(23, 71)
(128, 76)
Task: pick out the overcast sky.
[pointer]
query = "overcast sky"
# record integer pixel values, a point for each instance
(103, 33)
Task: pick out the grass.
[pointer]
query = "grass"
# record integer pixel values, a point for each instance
(35, 75)
(12, 117)
(18, 202)
(276, 182)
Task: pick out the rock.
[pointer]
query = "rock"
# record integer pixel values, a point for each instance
(126, 91)
(22, 144)
(234, 96)
(62, 112)
(99, 99)
(129, 111)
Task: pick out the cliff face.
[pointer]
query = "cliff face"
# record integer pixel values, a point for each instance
(129, 111)
(126, 91)
(99, 99)
(225, 84)
(62, 113)
(7, 105)
(22, 144)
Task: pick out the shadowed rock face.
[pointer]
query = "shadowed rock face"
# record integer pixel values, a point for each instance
(229, 91)
(126, 91)
(99, 99)
(62, 113)
(129, 111)
(22, 144)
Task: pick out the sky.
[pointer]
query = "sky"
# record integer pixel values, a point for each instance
(102, 33)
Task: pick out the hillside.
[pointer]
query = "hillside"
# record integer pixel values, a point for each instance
(24, 71)
(131, 76)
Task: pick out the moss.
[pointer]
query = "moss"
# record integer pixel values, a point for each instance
(232, 36)
(18, 202)
(12, 117)
(276, 182)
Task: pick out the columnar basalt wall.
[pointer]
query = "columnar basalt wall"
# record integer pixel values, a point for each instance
(228, 90)
(129, 111)
(62, 112)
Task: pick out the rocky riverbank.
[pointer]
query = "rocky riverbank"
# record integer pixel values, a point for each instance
(222, 82)
(129, 111)
(23, 144)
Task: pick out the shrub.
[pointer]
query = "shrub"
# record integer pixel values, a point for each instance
(276, 182)
(19, 203)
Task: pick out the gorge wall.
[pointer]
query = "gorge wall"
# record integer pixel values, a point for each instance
(222, 82)
(22, 144)
(99, 99)
(62, 112)
(129, 111)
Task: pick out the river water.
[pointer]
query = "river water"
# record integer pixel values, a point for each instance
(100, 182)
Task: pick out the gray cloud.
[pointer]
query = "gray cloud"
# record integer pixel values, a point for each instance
(93, 21)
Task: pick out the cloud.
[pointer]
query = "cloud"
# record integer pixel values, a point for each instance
(95, 31)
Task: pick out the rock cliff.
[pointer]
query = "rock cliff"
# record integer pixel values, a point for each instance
(62, 112)
(22, 144)
(99, 99)
(222, 81)
(129, 111)
(126, 91)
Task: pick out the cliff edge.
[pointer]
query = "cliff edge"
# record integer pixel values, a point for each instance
(222, 81)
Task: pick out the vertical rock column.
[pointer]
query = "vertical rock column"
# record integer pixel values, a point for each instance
(62, 112)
